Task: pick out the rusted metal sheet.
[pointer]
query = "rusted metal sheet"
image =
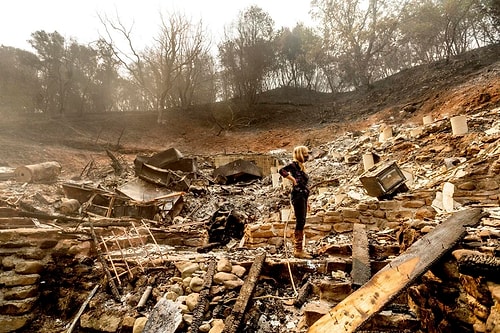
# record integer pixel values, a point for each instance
(167, 156)
(140, 191)
(170, 159)
(163, 177)
(184, 164)
(239, 170)
(264, 161)
(83, 192)
(386, 284)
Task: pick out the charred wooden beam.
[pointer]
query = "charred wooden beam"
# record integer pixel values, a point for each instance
(480, 264)
(12, 212)
(82, 308)
(303, 294)
(203, 301)
(167, 178)
(233, 322)
(117, 166)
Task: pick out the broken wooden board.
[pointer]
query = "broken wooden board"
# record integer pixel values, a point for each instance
(361, 270)
(165, 317)
(384, 286)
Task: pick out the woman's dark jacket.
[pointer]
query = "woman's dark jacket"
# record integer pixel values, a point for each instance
(300, 176)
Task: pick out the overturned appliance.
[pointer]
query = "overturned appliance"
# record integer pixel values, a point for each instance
(384, 181)
(167, 168)
(237, 171)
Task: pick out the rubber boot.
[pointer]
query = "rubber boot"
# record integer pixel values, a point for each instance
(299, 251)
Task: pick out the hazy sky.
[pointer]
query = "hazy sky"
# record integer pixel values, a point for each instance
(79, 19)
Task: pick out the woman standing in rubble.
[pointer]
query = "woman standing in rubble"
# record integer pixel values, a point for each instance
(296, 173)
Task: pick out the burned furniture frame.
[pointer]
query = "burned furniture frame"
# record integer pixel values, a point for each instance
(105, 203)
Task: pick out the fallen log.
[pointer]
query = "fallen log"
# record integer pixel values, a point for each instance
(385, 285)
(37, 172)
(69, 206)
(233, 322)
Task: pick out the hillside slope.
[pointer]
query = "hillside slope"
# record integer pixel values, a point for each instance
(282, 119)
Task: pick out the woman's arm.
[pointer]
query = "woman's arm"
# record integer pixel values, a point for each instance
(285, 172)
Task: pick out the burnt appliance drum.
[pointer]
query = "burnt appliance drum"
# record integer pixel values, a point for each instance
(384, 180)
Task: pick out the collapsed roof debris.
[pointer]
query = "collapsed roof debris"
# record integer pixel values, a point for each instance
(172, 237)
(168, 168)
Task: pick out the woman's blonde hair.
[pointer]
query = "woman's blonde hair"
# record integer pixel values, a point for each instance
(298, 155)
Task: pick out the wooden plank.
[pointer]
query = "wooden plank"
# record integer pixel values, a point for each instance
(361, 271)
(233, 321)
(385, 285)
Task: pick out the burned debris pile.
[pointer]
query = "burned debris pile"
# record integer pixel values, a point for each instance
(402, 217)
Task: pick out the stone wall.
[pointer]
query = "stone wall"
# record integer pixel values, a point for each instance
(377, 215)
(47, 272)
(25, 255)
